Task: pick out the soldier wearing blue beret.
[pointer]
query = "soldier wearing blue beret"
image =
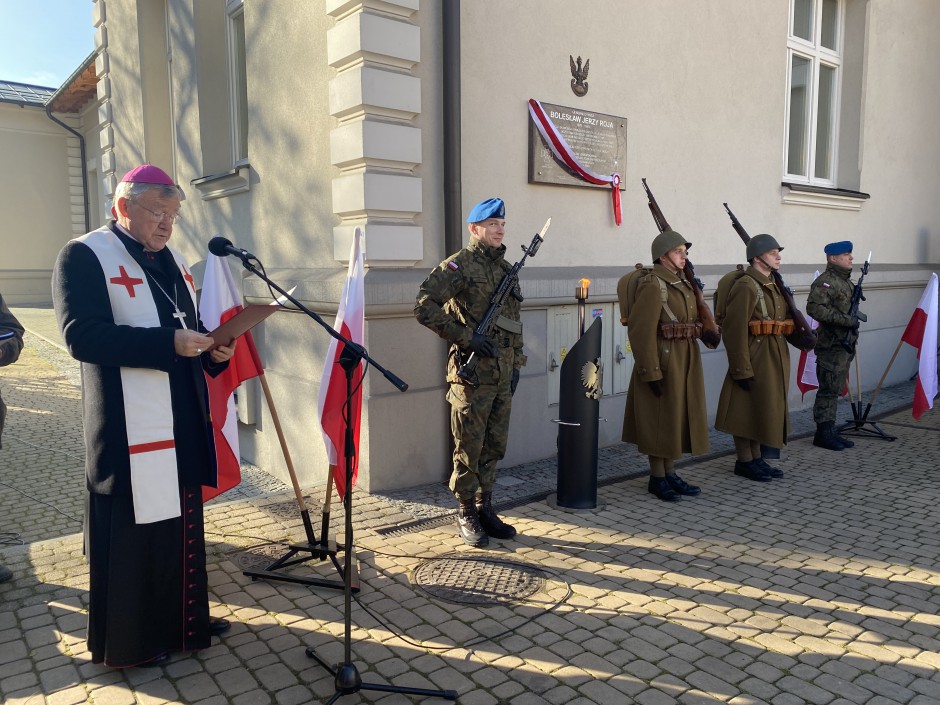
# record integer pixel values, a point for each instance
(451, 302)
(830, 298)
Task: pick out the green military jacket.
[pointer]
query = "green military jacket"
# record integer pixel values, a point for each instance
(455, 297)
(830, 298)
(11, 342)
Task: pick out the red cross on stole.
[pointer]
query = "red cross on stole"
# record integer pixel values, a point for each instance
(126, 281)
(189, 279)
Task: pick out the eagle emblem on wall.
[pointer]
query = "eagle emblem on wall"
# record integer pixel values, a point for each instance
(592, 377)
(579, 76)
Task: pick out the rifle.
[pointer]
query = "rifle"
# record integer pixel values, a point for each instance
(711, 332)
(467, 370)
(806, 336)
(857, 297)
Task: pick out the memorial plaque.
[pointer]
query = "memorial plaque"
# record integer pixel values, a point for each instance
(598, 140)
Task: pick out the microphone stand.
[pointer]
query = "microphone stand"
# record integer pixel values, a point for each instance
(312, 549)
(346, 676)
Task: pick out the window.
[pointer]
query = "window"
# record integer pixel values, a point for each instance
(814, 73)
(238, 81)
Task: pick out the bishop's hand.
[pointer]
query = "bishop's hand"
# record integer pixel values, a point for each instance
(191, 343)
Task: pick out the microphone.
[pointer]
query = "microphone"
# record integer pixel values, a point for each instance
(223, 247)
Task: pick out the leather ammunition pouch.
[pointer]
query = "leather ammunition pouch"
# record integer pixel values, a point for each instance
(680, 331)
(771, 327)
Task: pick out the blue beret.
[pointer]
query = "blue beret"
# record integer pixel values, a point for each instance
(490, 208)
(838, 248)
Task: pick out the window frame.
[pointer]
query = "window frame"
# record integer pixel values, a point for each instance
(818, 56)
(238, 80)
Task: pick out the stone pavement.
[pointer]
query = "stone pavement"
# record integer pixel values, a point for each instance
(823, 587)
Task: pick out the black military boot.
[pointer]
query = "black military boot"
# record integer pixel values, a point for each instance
(768, 469)
(491, 523)
(751, 470)
(660, 487)
(468, 524)
(843, 440)
(826, 437)
(681, 486)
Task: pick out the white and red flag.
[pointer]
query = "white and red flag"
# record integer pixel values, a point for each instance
(335, 412)
(806, 379)
(921, 333)
(220, 301)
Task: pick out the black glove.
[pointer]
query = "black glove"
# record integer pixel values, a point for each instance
(514, 382)
(745, 383)
(482, 346)
(656, 386)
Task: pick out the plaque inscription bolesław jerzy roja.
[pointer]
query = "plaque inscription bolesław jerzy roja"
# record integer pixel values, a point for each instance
(598, 140)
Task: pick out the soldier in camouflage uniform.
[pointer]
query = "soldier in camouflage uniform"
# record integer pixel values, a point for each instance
(451, 302)
(830, 298)
(11, 342)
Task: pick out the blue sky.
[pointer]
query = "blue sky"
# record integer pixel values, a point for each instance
(43, 41)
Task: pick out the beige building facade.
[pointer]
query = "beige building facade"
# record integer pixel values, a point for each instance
(48, 139)
(291, 123)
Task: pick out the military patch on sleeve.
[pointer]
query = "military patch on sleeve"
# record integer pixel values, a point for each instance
(826, 285)
(453, 265)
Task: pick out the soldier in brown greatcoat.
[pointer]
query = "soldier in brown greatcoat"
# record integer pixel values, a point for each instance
(666, 414)
(756, 325)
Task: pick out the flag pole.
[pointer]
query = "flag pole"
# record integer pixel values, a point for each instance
(322, 550)
(304, 512)
(857, 425)
(325, 526)
(874, 394)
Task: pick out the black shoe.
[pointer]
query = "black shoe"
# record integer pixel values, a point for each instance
(5, 573)
(468, 524)
(218, 627)
(845, 441)
(662, 489)
(681, 486)
(157, 661)
(490, 521)
(750, 470)
(768, 469)
(826, 437)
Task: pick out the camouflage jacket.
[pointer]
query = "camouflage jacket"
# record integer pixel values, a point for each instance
(455, 297)
(11, 336)
(830, 298)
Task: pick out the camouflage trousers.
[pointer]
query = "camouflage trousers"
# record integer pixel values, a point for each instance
(479, 422)
(832, 368)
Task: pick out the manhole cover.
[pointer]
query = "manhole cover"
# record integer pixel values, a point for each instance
(289, 510)
(477, 581)
(259, 557)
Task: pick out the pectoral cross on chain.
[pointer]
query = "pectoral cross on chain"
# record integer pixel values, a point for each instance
(179, 315)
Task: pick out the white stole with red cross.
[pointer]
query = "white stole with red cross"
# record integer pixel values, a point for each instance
(148, 408)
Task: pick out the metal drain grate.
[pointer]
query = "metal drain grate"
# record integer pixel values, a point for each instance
(468, 580)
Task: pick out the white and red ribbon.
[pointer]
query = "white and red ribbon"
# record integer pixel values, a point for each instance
(566, 155)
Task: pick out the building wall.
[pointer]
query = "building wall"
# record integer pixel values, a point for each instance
(37, 185)
(346, 129)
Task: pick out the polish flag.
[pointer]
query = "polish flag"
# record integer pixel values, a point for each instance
(220, 301)
(806, 379)
(921, 333)
(332, 405)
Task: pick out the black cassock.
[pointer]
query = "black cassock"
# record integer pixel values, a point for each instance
(148, 587)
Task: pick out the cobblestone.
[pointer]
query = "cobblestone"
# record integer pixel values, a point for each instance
(784, 594)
